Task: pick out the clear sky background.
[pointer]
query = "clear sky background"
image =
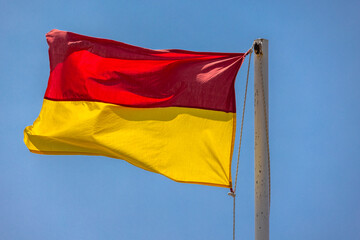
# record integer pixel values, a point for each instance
(314, 98)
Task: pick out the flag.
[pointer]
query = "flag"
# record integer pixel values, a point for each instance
(171, 112)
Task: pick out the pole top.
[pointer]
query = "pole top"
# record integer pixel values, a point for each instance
(258, 45)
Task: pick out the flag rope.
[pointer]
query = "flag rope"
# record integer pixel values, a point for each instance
(233, 191)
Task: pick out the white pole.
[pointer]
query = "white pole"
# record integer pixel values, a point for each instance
(262, 167)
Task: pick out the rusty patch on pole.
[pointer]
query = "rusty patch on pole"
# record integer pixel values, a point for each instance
(257, 48)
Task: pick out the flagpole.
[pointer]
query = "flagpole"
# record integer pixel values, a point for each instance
(261, 140)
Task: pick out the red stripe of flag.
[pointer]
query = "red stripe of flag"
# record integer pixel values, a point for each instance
(92, 69)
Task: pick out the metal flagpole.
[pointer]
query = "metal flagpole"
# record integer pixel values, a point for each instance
(262, 159)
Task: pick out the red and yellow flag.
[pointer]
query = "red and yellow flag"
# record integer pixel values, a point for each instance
(167, 111)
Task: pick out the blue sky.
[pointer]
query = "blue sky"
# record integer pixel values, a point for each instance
(314, 71)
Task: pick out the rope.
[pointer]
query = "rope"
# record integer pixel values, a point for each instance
(242, 121)
(233, 191)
